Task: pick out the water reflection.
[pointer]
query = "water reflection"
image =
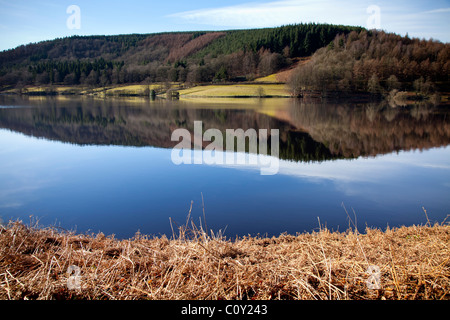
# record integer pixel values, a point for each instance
(309, 131)
(331, 154)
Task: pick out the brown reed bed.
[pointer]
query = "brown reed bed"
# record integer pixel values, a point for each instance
(413, 263)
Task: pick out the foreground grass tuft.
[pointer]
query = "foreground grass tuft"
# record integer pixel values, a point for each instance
(413, 262)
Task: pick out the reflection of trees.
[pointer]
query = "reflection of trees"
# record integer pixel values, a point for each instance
(309, 131)
(299, 146)
(390, 113)
(352, 130)
(420, 112)
(114, 122)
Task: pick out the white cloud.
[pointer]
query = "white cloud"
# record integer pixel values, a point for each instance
(441, 10)
(279, 13)
(400, 17)
(344, 173)
(9, 205)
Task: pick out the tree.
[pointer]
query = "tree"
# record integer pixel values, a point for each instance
(42, 78)
(104, 78)
(221, 74)
(373, 85)
(307, 44)
(423, 87)
(260, 93)
(270, 62)
(249, 63)
(418, 84)
(172, 74)
(392, 83)
(69, 79)
(92, 78)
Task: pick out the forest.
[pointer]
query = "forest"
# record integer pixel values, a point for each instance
(344, 59)
(376, 62)
(192, 57)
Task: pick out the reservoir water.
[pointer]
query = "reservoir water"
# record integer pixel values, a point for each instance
(91, 165)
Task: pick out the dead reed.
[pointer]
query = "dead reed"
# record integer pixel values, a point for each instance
(413, 263)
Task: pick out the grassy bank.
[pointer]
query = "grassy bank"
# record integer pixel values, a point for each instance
(413, 261)
(243, 90)
(260, 90)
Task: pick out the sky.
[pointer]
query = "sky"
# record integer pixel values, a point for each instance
(26, 21)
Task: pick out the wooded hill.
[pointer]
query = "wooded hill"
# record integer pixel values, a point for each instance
(344, 59)
(144, 58)
(376, 62)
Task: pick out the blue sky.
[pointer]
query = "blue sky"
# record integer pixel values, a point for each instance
(22, 21)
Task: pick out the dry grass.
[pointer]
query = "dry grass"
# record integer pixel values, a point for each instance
(414, 264)
(271, 78)
(283, 76)
(237, 90)
(135, 89)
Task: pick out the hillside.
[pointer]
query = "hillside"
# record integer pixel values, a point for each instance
(310, 58)
(191, 57)
(378, 63)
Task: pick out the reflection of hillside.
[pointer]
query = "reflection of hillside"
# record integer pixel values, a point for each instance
(119, 122)
(110, 122)
(313, 131)
(371, 129)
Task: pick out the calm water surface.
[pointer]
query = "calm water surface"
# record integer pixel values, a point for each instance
(105, 165)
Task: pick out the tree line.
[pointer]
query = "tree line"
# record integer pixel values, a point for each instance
(182, 56)
(375, 62)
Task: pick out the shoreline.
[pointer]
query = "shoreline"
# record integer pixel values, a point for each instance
(413, 264)
(238, 90)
